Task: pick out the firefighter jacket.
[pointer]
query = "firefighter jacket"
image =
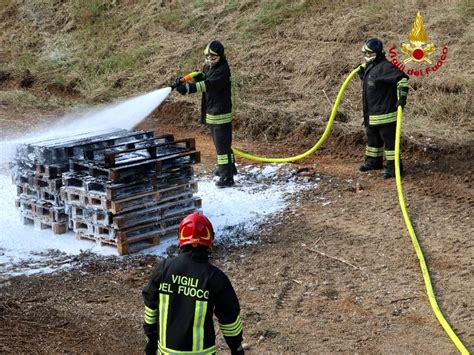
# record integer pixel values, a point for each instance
(216, 88)
(180, 300)
(382, 85)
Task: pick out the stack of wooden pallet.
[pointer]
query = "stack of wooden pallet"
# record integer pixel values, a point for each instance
(117, 187)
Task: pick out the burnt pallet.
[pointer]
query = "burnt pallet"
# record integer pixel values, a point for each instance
(52, 185)
(155, 213)
(137, 154)
(123, 172)
(73, 196)
(43, 210)
(60, 150)
(97, 217)
(38, 223)
(26, 190)
(23, 178)
(122, 247)
(109, 189)
(51, 171)
(91, 229)
(93, 238)
(109, 156)
(82, 151)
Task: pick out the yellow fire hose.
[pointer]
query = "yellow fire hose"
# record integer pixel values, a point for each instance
(424, 268)
(318, 143)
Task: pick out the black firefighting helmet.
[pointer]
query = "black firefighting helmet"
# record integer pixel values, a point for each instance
(214, 48)
(373, 45)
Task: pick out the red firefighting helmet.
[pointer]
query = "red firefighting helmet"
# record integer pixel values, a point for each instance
(196, 229)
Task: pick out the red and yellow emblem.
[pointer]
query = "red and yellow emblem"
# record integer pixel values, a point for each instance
(418, 49)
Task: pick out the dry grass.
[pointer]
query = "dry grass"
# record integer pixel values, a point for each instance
(288, 59)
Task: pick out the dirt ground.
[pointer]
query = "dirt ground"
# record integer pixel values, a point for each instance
(334, 273)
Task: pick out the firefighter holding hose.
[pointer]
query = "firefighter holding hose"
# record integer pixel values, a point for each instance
(384, 88)
(214, 82)
(184, 294)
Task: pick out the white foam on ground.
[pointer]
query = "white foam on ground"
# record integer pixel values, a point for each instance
(240, 209)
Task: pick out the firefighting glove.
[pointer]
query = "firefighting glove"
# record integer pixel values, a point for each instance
(361, 70)
(199, 77)
(402, 101)
(183, 89)
(176, 82)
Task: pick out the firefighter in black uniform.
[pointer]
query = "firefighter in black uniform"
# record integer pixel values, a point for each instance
(384, 88)
(214, 82)
(185, 292)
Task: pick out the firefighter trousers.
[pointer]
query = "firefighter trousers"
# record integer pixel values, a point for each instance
(380, 140)
(222, 138)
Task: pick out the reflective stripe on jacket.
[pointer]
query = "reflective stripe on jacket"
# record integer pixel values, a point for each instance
(382, 83)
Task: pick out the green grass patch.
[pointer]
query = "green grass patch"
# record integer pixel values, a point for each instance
(270, 14)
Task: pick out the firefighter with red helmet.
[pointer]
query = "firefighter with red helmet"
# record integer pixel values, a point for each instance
(214, 82)
(185, 292)
(384, 88)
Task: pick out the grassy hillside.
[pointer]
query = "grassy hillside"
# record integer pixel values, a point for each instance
(288, 58)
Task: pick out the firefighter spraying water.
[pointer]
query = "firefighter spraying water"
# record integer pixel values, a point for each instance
(214, 82)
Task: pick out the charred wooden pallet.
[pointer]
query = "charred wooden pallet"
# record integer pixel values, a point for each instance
(41, 209)
(26, 192)
(109, 189)
(88, 215)
(23, 178)
(60, 150)
(78, 197)
(116, 187)
(82, 151)
(51, 171)
(155, 213)
(52, 185)
(139, 149)
(98, 232)
(38, 223)
(123, 172)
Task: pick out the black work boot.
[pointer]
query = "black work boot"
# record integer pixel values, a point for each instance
(225, 182)
(371, 163)
(389, 171)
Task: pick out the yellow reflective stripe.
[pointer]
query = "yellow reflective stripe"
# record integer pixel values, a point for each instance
(209, 50)
(223, 159)
(232, 329)
(150, 315)
(373, 152)
(381, 119)
(366, 49)
(198, 327)
(150, 311)
(163, 306)
(402, 83)
(231, 325)
(201, 86)
(390, 154)
(374, 149)
(219, 119)
(164, 350)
